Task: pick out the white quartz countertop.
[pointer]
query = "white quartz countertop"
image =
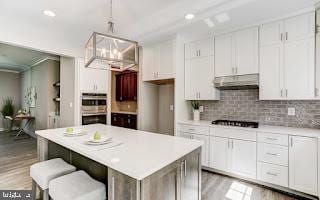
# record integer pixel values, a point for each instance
(307, 132)
(140, 154)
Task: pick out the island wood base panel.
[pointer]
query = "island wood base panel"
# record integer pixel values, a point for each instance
(180, 180)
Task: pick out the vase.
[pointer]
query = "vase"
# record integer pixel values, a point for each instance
(196, 115)
(7, 124)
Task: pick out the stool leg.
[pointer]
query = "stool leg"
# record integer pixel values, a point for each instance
(34, 190)
(45, 194)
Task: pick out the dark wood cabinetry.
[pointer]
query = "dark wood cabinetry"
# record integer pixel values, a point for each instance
(126, 86)
(124, 120)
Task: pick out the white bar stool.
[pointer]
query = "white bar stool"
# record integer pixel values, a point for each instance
(43, 172)
(77, 186)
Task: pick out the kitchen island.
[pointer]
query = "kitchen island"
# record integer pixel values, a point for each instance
(141, 165)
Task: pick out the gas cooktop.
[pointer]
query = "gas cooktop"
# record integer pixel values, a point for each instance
(236, 123)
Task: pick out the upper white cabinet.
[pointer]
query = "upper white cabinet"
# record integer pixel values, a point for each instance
(237, 53)
(91, 79)
(158, 61)
(287, 58)
(303, 164)
(199, 71)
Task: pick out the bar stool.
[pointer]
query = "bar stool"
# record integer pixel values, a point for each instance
(77, 186)
(43, 172)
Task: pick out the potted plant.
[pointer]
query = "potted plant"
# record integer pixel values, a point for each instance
(7, 112)
(196, 113)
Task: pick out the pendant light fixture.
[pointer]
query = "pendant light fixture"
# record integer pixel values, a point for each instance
(106, 51)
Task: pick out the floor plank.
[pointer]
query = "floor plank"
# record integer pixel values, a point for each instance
(16, 157)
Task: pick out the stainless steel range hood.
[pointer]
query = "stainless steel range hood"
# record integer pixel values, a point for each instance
(249, 81)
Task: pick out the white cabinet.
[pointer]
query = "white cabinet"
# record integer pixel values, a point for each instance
(287, 59)
(219, 153)
(199, 71)
(205, 148)
(237, 53)
(200, 48)
(303, 164)
(92, 79)
(158, 61)
(235, 156)
(243, 159)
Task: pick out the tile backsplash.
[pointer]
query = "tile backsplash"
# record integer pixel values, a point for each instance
(245, 105)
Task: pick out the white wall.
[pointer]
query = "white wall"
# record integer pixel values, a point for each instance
(67, 91)
(42, 77)
(165, 115)
(9, 87)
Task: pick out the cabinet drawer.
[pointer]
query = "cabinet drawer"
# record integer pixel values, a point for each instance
(273, 138)
(273, 154)
(234, 133)
(274, 174)
(200, 130)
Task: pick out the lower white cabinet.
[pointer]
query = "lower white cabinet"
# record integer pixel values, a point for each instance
(274, 174)
(235, 156)
(303, 164)
(205, 147)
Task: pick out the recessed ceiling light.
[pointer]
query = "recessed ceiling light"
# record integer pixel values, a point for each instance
(49, 13)
(189, 16)
(209, 22)
(223, 17)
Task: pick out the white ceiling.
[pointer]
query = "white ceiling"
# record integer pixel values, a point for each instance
(141, 20)
(18, 59)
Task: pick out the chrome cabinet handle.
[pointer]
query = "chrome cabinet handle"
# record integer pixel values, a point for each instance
(286, 92)
(291, 142)
(286, 36)
(272, 154)
(281, 37)
(272, 139)
(112, 192)
(272, 174)
(191, 129)
(181, 169)
(281, 93)
(185, 168)
(232, 144)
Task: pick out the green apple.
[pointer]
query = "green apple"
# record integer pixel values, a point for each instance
(97, 136)
(69, 130)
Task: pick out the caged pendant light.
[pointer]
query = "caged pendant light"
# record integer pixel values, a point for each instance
(106, 51)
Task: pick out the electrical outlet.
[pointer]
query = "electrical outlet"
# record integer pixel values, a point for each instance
(70, 104)
(201, 108)
(291, 111)
(171, 107)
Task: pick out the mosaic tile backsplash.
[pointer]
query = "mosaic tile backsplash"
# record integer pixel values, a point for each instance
(245, 105)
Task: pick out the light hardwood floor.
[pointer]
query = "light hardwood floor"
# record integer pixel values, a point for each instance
(16, 157)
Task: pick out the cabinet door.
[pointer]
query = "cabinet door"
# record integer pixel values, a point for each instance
(246, 51)
(190, 180)
(148, 64)
(192, 68)
(119, 96)
(205, 148)
(303, 164)
(101, 79)
(165, 60)
(244, 158)
(300, 27)
(219, 149)
(223, 56)
(205, 78)
(299, 69)
(271, 33)
(271, 72)
(121, 186)
(87, 77)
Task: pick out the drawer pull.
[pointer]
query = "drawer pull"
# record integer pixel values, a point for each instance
(272, 154)
(272, 174)
(272, 139)
(191, 129)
